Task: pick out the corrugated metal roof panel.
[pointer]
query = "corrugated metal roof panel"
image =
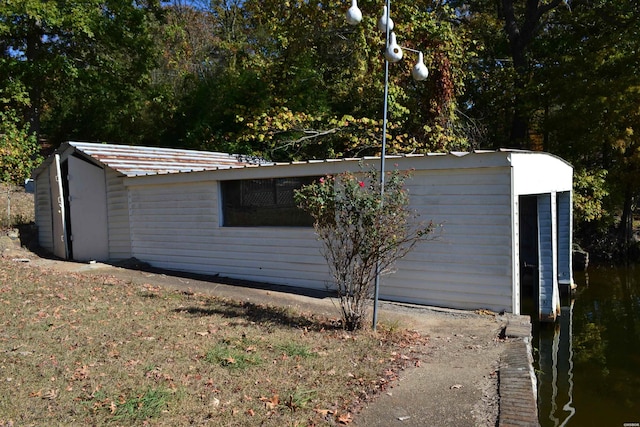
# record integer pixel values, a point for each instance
(138, 160)
(133, 161)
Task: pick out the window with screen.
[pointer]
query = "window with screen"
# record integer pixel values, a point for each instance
(264, 203)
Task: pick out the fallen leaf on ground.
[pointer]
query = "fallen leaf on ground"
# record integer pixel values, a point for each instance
(345, 418)
(272, 402)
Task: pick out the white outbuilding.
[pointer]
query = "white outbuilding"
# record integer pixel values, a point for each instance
(506, 216)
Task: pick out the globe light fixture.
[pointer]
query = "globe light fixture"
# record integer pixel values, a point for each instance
(393, 53)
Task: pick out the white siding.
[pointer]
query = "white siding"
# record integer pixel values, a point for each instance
(537, 173)
(469, 263)
(467, 266)
(117, 216)
(43, 211)
(173, 221)
(177, 227)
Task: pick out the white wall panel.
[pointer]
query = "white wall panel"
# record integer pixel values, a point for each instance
(43, 211)
(468, 264)
(118, 216)
(177, 227)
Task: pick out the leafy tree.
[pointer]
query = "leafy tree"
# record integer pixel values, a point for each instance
(19, 149)
(362, 234)
(110, 93)
(593, 95)
(204, 71)
(32, 33)
(522, 25)
(83, 63)
(503, 91)
(562, 77)
(293, 80)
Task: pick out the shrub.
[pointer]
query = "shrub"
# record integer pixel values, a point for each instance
(363, 232)
(18, 149)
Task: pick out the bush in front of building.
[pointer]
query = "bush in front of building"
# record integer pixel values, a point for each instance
(363, 232)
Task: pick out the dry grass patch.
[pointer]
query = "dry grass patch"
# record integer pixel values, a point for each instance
(85, 350)
(16, 206)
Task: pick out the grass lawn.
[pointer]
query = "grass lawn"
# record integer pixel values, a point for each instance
(86, 350)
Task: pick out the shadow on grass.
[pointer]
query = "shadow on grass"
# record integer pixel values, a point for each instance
(135, 264)
(262, 314)
(259, 313)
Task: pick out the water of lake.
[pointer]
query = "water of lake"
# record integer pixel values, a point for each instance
(588, 364)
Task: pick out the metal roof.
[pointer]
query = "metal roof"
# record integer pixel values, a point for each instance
(135, 161)
(138, 160)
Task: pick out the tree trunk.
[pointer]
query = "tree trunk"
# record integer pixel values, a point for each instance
(32, 52)
(521, 34)
(519, 135)
(625, 228)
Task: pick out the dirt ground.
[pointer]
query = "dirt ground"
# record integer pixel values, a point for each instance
(455, 384)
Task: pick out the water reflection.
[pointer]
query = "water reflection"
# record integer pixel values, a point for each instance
(555, 371)
(588, 364)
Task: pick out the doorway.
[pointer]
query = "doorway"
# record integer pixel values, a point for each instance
(87, 209)
(79, 209)
(529, 261)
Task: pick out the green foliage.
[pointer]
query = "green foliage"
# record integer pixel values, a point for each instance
(589, 192)
(244, 76)
(290, 81)
(571, 80)
(295, 82)
(84, 64)
(148, 404)
(230, 356)
(300, 398)
(19, 150)
(362, 233)
(592, 90)
(294, 349)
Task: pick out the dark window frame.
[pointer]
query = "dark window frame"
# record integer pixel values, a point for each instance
(263, 202)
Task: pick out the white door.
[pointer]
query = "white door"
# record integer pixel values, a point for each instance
(88, 206)
(57, 210)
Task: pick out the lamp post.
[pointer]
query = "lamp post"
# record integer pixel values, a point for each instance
(393, 53)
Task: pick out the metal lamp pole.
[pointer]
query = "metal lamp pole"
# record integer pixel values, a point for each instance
(392, 53)
(383, 153)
